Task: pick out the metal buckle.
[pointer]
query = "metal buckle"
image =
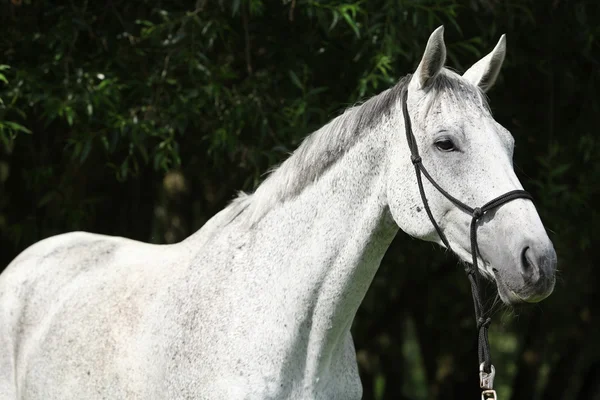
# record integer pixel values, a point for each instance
(486, 381)
(488, 395)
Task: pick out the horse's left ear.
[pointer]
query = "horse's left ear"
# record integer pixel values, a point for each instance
(485, 71)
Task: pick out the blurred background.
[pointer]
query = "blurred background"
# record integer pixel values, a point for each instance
(143, 118)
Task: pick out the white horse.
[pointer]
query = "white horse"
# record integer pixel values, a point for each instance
(258, 303)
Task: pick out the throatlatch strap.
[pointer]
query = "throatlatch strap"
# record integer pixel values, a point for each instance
(477, 213)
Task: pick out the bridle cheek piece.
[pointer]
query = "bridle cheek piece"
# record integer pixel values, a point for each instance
(486, 369)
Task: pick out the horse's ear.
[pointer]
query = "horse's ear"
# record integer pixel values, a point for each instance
(485, 71)
(433, 59)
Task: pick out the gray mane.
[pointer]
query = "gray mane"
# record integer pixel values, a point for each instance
(324, 147)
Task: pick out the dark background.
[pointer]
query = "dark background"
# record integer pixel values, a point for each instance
(142, 119)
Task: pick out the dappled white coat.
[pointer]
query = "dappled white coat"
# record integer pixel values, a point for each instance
(258, 304)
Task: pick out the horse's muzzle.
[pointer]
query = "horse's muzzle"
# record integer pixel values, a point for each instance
(537, 269)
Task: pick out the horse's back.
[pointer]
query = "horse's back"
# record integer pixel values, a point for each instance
(39, 260)
(68, 295)
(42, 272)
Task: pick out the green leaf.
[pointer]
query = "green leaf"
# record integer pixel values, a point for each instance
(560, 170)
(47, 198)
(336, 18)
(144, 23)
(87, 147)
(16, 127)
(379, 387)
(296, 80)
(352, 24)
(69, 115)
(466, 45)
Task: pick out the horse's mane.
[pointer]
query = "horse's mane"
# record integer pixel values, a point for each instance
(324, 147)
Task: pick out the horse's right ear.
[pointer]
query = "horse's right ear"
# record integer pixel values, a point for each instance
(433, 59)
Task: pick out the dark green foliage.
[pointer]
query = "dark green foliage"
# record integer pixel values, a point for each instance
(142, 119)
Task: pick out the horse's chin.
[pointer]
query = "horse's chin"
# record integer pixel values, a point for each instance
(507, 295)
(512, 297)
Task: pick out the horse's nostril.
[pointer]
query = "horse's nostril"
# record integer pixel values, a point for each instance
(525, 263)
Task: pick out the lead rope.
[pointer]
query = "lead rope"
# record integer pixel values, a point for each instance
(486, 369)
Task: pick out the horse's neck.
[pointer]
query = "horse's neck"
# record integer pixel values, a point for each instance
(325, 246)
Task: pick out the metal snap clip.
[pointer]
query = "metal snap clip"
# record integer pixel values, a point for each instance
(486, 380)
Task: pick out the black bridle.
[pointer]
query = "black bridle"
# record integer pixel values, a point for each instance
(486, 369)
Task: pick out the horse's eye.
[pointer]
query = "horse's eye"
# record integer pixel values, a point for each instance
(445, 145)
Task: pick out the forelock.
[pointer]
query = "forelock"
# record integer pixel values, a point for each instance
(449, 84)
